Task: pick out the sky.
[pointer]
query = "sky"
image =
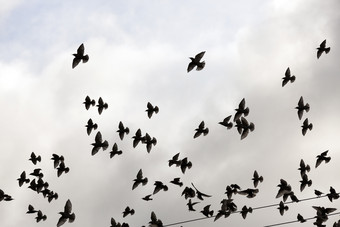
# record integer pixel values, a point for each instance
(138, 53)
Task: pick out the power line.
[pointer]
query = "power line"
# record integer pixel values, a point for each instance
(255, 208)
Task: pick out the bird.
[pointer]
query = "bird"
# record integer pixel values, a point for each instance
(52, 195)
(89, 102)
(300, 218)
(62, 169)
(175, 161)
(201, 129)
(40, 216)
(244, 127)
(79, 56)
(159, 186)
(242, 109)
(256, 178)
(228, 204)
(318, 193)
(114, 223)
(66, 214)
(199, 194)
(115, 151)
(185, 164)
(101, 105)
(90, 126)
(147, 197)
(282, 208)
(23, 179)
(245, 210)
(303, 168)
(188, 192)
(322, 48)
(137, 138)
(191, 204)
(155, 222)
(128, 211)
(322, 157)
(287, 77)
(322, 214)
(196, 61)
(177, 181)
(230, 191)
(122, 130)
(226, 122)
(35, 158)
(149, 142)
(285, 188)
(99, 143)
(57, 159)
(4, 196)
(151, 109)
(207, 212)
(302, 107)
(139, 179)
(250, 192)
(40, 185)
(305, 126)
(305, 181)
(31, 210)
(37, 173)
(332, 195)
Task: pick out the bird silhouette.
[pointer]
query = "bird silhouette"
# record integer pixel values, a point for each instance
(149, 142)
(52, 195)
(188, 192)
(79, 56)
(40, 185)
(139, 179)
(147, 197)
(90, 126)
(303, 168)
(175, 160)
(191, 204)
(300, 218)
(288, 77)
(114, 223)
(155, 222)
(250, 192)
(185, 164)
(159, 186)
(40, 216)
(101, 105)
(201, 129)
(57, 159)
(196, 62)
(305, 126)
(322, 157)
(31, 210)
(305, 181)
(322, 48)
(62, 169)
(245, 210)
(230, 191)
(89, 102)
(282, 208)
(302, 107)
(242, 109)
(322, 214)
(128, 211)
(151, 109)
(256, 178)
(35, 158)
(226, 122)
(23, 179)
(199, 194)
(66, 214)
(284, 188)
(115, 151)
(207, 212)
(37, 173)
(99, 143)
(332, 195)
(244, 127)
(318, 193)
(137, 138)
(122, 130)
(177, 181)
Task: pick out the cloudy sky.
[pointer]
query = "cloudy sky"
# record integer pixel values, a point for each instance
(139, 52)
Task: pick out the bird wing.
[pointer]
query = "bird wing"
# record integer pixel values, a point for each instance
(199, 56)
(81, 49)
(68, 206)
(75, 62)
(323, 44)
(287, 73)
(191, 66)
(61, 221)
(98, 138)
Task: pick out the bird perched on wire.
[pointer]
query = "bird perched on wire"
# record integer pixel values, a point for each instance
(151, 109)
(90, 126)
(318, 193)
(245, 210)
(306, 126)
(196, 62)
(99, 143)
(226, 122)
(101, 105)
(66, 214)
(288, 77)
(302, 107)
(256, 178)
(322, 48)
(322, 157)
(201, 129)
(122, 130)
(89, 102)
(139, 179)
(300, 218)
(79, 56)
(35, 158)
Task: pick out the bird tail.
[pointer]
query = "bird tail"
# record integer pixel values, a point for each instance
(292, 79)
(85, 58)
(307, 107)
(327, 50)
(105, 145)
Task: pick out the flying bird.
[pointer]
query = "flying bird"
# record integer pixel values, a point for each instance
(242, 109)
(288, 77)
(207, 212)
(90, 126)
(282, 208)
(66, 214)
(226, 122)
(185, 164)
(147, 197)
(177, 181)
(305, 181)
(35, 158)
(201, 129)
(244, 127)
(37, 173)
(322, 157)
(23, 179)
(332, 195)
(57, 159)
(322, 48)
(128, 211)
(284, 188)
(139, 179)
(62, 169)
(191, 204)
(89, 102)
(250, 192)
(188, 192)
(151, 109)
(79, 56)
(305, 126)
(245, 210)
(40, 216)
(154, 221)
(159, 186)
(122, 130)
(302, 107)
(199, 194)
(149, 142)
(31, 210)
(137, 138)
(303, 168)
(115, 151)
(175, 161)
(196, 61)
(4, 196)
(101, 105)
(256, 178)
(99, 143)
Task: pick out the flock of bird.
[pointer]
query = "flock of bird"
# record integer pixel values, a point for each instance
(190, 192)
